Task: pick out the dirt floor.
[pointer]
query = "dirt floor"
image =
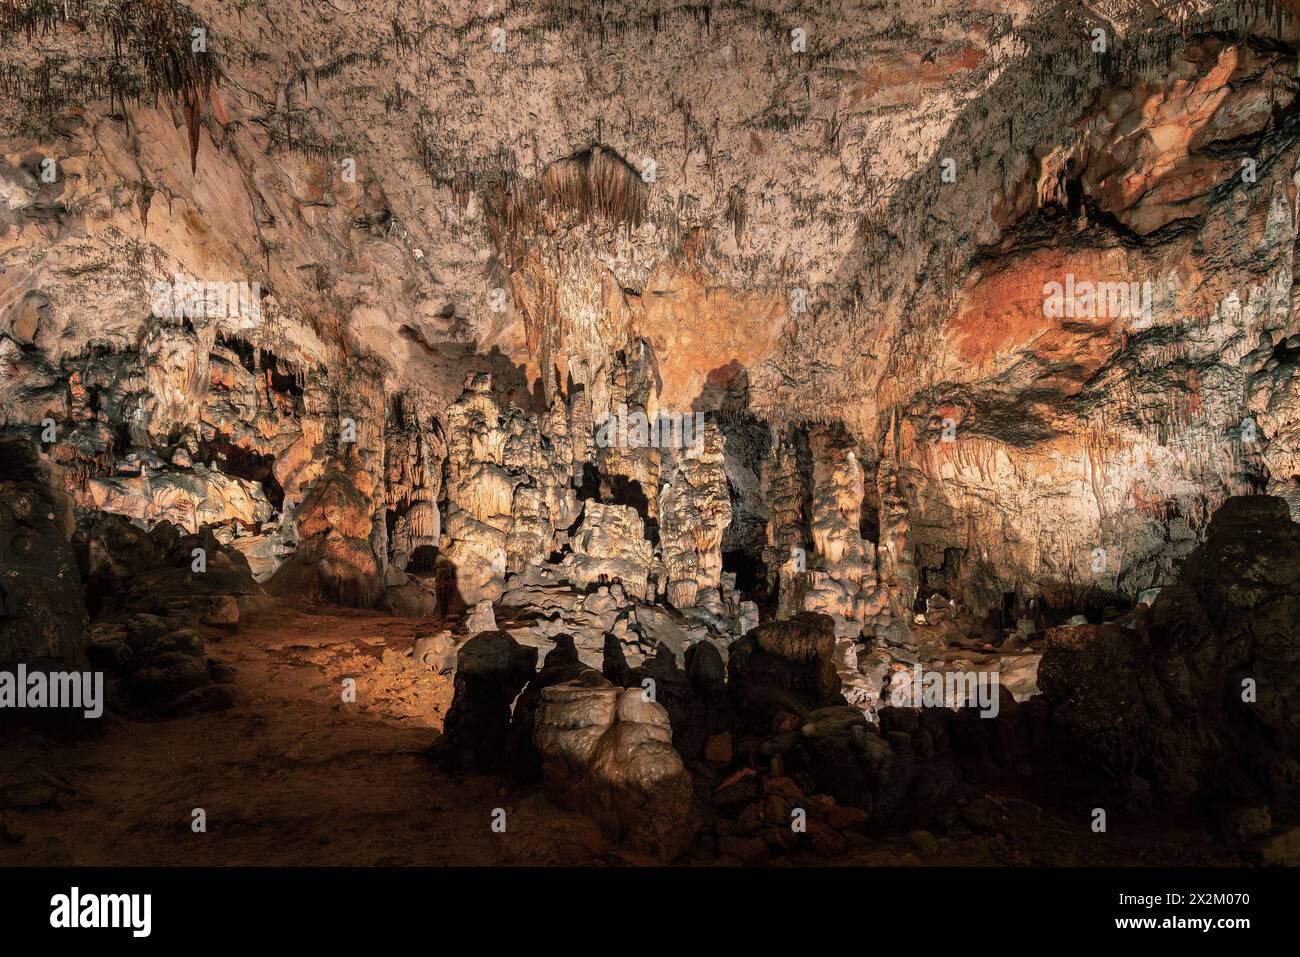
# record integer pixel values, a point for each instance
(294, 776)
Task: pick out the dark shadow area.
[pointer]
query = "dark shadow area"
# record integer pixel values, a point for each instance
(242, 463)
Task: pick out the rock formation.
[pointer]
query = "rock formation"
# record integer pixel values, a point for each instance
(1213, 659)
(42, 607)
(767, 357)
(491, 669)
(609, 753)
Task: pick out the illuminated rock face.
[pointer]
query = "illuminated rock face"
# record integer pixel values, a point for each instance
(609, 752)
(981, 313)
(611, 546)
(1077, 444)
(695, 509)
(334, 561)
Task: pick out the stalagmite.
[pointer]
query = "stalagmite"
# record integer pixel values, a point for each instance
(766, 431)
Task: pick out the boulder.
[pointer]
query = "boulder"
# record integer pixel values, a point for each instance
(784, 666)
(42, 604)
(438, 651)
(491, 669)
(1213, 659)
(608, 753)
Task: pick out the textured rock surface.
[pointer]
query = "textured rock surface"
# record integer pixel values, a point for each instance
(189, 500)
(486, 292)
(610, 546)
(785, 666)
(1213, 659)
(608, 752)
(334, 560)
(694, 511)
(696, 341)
(42, 609)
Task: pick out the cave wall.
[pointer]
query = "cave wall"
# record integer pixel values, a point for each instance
(506, 268)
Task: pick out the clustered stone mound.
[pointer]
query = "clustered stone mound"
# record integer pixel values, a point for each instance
(159, 596)
(738, 753)
(614, 753)
(146, 604)
(1201, 693)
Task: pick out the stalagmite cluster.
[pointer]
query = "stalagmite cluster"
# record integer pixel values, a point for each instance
(741, 382)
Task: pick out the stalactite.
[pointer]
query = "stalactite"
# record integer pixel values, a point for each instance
(150, 55)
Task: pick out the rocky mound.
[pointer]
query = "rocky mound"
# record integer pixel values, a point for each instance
(1200, 694)
(42, 604)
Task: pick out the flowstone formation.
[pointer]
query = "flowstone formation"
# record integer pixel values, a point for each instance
(820, 349)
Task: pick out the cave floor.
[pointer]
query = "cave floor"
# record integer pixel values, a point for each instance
(293, 776)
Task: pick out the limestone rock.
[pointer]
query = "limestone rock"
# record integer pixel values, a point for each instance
(694, 511)
(481, 619)
(334, 561)
(1211, 657)
(784, 666)
(42, 606)
(491, 669)
(611, 546)
(608, 753)
(189, 500)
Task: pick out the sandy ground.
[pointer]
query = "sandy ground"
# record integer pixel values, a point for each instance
(294, 776)
(291, 775)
